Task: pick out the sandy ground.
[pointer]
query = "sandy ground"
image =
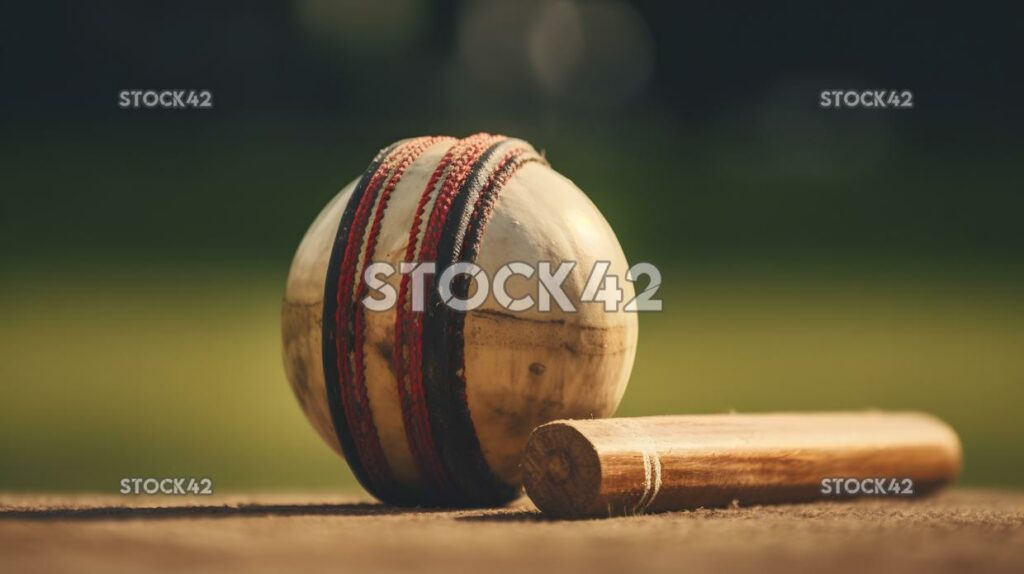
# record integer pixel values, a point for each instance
(959, 530)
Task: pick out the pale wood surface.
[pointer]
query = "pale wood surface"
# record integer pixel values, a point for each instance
(632, 465)
(959, 530)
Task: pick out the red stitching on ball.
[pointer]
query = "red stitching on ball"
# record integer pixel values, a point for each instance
(353, 392)
(359, 319)
(408, 356)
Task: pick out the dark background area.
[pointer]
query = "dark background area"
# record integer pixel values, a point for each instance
(702, 119)
(813, 258)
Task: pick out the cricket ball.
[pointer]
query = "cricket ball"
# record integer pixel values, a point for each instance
(432, 404)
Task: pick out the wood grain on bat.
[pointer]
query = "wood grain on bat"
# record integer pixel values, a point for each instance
(580, 468)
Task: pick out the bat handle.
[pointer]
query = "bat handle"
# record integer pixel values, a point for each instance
(601, 467)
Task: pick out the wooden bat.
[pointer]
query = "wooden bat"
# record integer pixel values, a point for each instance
(607, 467)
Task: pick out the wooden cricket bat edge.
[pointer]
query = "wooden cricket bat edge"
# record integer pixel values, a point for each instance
(599, 467)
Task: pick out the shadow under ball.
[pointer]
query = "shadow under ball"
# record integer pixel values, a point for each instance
(434, 407)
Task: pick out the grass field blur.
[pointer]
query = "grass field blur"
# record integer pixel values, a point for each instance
(111, 374)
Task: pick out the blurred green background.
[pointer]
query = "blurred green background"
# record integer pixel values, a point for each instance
(812, 259)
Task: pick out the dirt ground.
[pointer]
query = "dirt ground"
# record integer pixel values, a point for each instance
(959, 530)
